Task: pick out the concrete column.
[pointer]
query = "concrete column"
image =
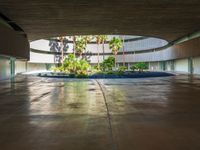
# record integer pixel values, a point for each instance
(190, 65)
(12, 67)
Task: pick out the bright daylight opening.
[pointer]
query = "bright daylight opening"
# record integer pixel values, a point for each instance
(93, 56)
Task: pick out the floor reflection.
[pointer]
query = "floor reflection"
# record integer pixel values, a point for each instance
(41, 113)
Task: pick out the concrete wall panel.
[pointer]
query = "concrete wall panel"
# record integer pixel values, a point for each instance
(20, 66)
(181, 65)
(196, 65)
(154, 66)
(4, 68)
(184, 50)
(36, 67)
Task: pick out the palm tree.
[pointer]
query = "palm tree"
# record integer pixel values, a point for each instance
(80, 45)
(61, 39)
(87, 39)
(123, 52)
(103, 39)
(115, 44)
(98, 40)
(74, 45)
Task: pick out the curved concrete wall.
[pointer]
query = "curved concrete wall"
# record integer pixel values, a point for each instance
(129, 45)
(53, 46)
(149, 43)
(184, 50)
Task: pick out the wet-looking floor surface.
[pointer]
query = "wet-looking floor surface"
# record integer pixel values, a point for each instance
(105, 114)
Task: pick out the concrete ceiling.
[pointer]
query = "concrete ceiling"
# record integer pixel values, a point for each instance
(167, 19)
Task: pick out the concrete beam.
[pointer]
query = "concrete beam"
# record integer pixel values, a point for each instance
(13, 44)
(166, 19)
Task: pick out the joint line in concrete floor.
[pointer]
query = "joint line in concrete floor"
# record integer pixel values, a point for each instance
(108, 116)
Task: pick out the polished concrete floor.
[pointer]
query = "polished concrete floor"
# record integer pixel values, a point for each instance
(105, 114)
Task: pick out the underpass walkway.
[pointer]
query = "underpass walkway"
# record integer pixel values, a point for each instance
(103, 114)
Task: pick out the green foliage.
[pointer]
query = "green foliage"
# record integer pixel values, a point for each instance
(122, 69)
(70, 63)
(133, 68)
(115, 44)
(110, 72)
(56, 69)
(141, 66)
(80, 45)
(98, 39)
(82, 67)
(108, 64)
(96, 68)
(88, 38)
(103, 38)
(73, 66)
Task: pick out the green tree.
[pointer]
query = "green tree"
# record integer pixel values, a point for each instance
(87, 38)
(98, 41)
(74, 66)
(115, 44)
(74, 44)
(133, 68)
(141, 66)
(103, 39)
(80, 45)
(61, 39)
(70, 63)
(123, 52)
(122, 69)
(82, 67)
(108, 64)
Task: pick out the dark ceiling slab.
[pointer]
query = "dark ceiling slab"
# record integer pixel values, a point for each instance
(166, 19)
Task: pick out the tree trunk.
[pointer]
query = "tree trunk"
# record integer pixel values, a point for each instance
(79, 56)
(86, 50)
(62, 49)
(98, 55)
(74, 45)
(103, 53)
(115, 61)
(103, 50)
(123, 53)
